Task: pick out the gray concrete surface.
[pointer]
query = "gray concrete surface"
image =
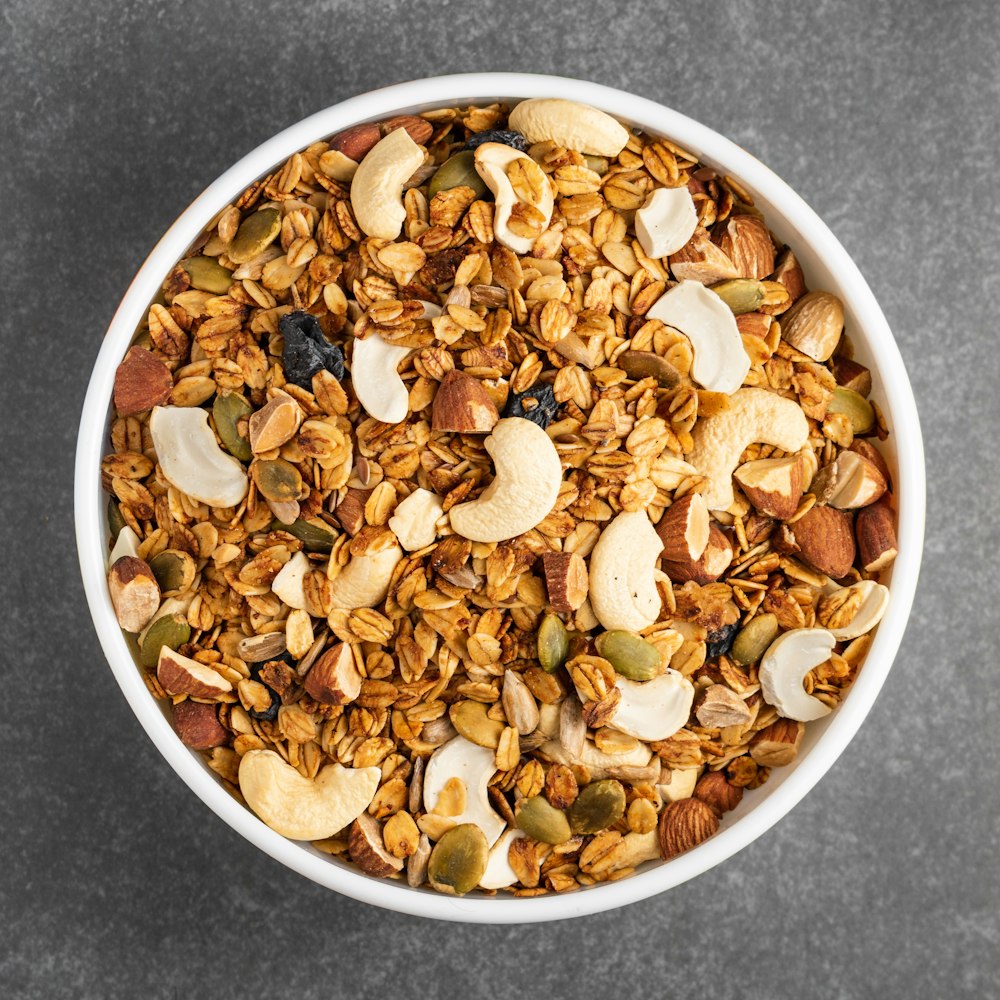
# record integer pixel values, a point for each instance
(116, 882)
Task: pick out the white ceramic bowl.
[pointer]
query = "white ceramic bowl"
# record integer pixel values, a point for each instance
(826, 265)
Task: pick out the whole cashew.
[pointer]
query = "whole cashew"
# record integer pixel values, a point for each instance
(785, 664)
(474, 766)
(622, 583)
(570, 124)
(666, 221)
(524, 489)
(364, 581)
(191, 459)
(377, 187)
(754, 415)
(653, 710)
(299, 808)
(493, 159)
(376, 381)
(720, 360)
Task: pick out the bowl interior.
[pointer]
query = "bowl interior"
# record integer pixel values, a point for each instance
(825, 264)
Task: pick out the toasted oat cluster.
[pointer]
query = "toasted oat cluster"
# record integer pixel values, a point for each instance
(491, 500)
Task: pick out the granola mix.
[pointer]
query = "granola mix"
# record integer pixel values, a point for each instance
(492, 502)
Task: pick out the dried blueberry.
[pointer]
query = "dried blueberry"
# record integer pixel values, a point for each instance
(507, 137)
(537, 404)
(307, 351)
(721, 640)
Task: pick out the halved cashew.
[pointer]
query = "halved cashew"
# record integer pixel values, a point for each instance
(874, 601)
(493, 160)
(524, 489)
(754, 415)
(377, 187)
(289, 583)
(680, 786)
(570, 124)
(623, 590)
(653, 710)
(299, 808)
(637, 848)
(785, 664)
(474, 766)
(720, 360)
(191, 459)
(414, 521)
(126, 544)
(499, 874)
(364, 581)
(597, 762)
(376, 381)
(666, 221)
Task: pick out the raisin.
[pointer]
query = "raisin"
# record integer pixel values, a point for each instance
(502, 135)
(307, 351)
(721, 640)
(541, 404)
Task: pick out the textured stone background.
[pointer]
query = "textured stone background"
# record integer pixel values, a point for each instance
(116, 882)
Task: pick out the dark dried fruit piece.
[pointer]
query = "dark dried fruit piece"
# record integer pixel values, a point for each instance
(537, 404)
(506, 136)
(307, 351)
(720, 641)
(258, 674)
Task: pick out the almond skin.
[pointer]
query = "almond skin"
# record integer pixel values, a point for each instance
(418, 129)
(566, 580)
(814, 324)
(181, 675)
(772, 485)
(745, 240)
(350, 511)
(367, 849)
(867, 450)
(876, 532)
(852, 375)
(141, 382)
(334, 678)
(357, 141)
(685, 824)
(824, 538)
(778, 744)
(715, 791)
(463, 406)
(684, 529)
(789, 273)
(198, 726)
(712, 563)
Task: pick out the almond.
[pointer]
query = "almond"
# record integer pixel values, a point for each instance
(778, 744)
(141, 382)
(712, 563)
(745, 240)
(789, 273)
(814, 324)
(824, 538)
(566, 580)
(368, 850)
(134, 591)
(684, 529)
(772, 485)
(418, 129)
(754, 324)
(876, 532)
(356, 141)
(275, 423)
(198, 726)
(350, 511)
(181, 675)
(867, 450)
(334, 678)
(685, 824)
(720, 706)
(701, 260)
(463, 406)
(715, 791)
(850, 480)
(852, 375)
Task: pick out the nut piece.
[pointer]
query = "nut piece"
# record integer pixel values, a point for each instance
(524, 488)
(666, 221)
(814, 324)
(788, 272)
(824, 538)
(852, 375)
(463, 406)
(721, 707)
(566, 580)
(181, 675)
(134, 592)
(653, 710)
(680, 786)
(414, 521)
(876, 537)
(622, 573)
(709, 566)
(772, 485)
(784, 666)
(701, 260)
(570, 124)
(778, 744)
(377, 187)
(350, 512)
(142, 381)
(493, 164)
(367, 849)
(684, 529)
(198, 726)
(374, 374)
(715, 791)
(364, 581)
(865, 602)
(747, 243)
(299, 808)
(499, 874)
(754, 415)
(289, 584)
(126, 544)
(685, 824)
(474, 766)
(191, 459)
(720, 360)
(598, 763)
(357, 141)
(274, 423)
(334, 679)
(850, 480)
(519, 704)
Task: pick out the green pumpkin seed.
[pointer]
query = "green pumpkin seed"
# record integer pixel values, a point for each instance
(458, 170)
(228, 411)
(752, 640)
(458, 861)
(208, 275)
(277, 479)
(541, 821)
(171, 631)
(631, 655)
(256, 233)
(472, 722)
(646, 364)
(553, 643)
(173, 569)
(742, 295)
(115, 520)
(315, 536)
(598, 806)
(855, 407)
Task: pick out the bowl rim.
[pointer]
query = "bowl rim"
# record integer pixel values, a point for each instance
(713, 147)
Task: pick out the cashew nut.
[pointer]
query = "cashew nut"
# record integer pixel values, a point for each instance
(666, 221)
(499, 874)
(126, 544)
(874, 601)
(597, 762)
(653, 710)
(299, 808)
(288, 584)
(191, 459)
(570, 124)
(785, 664)
(754, 415)
(377, 187)
(493, 160)
(637, 848)
(414, 521)
(524, 489)
(623, 590)
(364, 581)
(376, 381)
(720, 360)
(680, 786)
(474, 766)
